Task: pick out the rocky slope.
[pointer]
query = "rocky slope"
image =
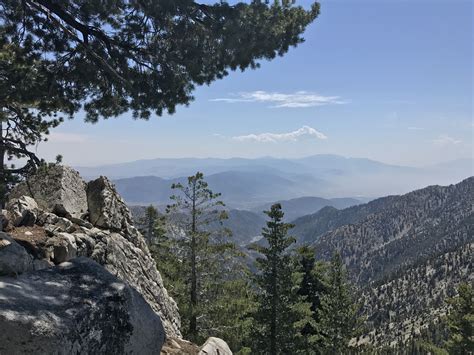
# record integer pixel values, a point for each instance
(56, 216)
(405, 253)
(309, 228)
(413, 300)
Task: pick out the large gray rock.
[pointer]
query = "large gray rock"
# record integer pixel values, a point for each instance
(215, 346)
(22, 211)
(56, 188)
(136, 266)
(75, 308)
(108, 210)
(14, 259)
(63, 247)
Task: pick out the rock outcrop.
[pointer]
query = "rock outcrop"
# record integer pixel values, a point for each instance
(212, 346)
(22, 211)
(106, 208)
(215, 346)
(14, 259)
(74, 219)
(57, 189)
(75, 307)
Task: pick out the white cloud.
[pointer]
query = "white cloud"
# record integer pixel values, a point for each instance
(63, 137)
(444, 140)
(294, 100)
(303, 132)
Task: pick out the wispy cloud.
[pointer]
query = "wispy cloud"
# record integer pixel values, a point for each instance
(64, 137)
(303, 132)
(276, 99)
(444, 140)
(414, 128)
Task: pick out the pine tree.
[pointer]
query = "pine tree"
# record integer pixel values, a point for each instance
(110, 57)
(461, 321)
(166, 253)
(314, 285)
(150, 225)
(231, 308)
(205, 255)
(30, 97)
(281, 313)
(338, 319)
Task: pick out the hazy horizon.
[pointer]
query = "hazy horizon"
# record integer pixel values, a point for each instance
(368, 81)
(272, 157)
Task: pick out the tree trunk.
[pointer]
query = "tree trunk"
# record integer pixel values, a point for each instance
(273, 324)
(193, 320)
(3, 187)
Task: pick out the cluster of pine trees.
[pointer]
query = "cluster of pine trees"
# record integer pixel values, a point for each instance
(268, 299)
(271, 298)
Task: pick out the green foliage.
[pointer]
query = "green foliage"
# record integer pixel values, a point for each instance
(109, 57)
(216, 298)
(338, 311)
(230, 313)
(313, 286)
(281, 312)
(461, 321)
(153, 225)
(30, 97)
(7, 181)
(148, 55)
(165, 252)
(423, 347)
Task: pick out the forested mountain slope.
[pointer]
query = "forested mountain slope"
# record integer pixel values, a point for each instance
(309, 228)
(412, 301)
(406, 254)
(403, 230)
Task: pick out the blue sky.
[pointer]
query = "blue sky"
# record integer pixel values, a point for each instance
(387, 80)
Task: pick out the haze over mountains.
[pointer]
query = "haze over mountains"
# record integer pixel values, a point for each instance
(249, 183)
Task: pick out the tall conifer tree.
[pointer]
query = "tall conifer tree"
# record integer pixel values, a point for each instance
(314, 285)
(338, 312)
(207, 256)
(281, 313)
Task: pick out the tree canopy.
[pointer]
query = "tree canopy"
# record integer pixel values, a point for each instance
(146, 55)
(110, 57)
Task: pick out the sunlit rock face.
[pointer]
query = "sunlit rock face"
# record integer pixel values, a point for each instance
(57, 189)
(82, 220)
(75, 307)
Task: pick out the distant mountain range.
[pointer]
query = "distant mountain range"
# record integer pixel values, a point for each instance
(298, 207)
(250, 183)
(246, 226)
